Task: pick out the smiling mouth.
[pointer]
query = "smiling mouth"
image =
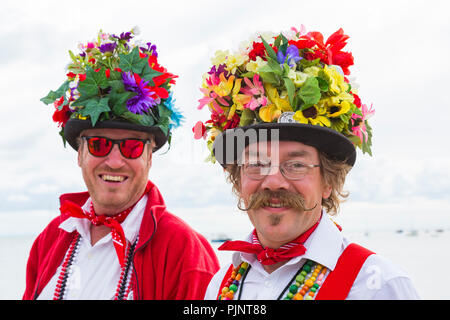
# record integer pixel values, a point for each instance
(112, 178)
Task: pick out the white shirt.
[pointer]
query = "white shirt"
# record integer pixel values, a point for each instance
(96, 269)
(378, 279)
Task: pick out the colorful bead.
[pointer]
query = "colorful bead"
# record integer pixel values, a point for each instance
(232, 284)
(307, 283)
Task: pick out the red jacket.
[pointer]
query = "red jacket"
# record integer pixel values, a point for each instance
(171, 260)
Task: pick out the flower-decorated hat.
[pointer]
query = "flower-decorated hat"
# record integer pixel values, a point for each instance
(294, 82)
(116, 84)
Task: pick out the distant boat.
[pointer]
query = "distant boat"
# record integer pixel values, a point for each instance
(221, 238)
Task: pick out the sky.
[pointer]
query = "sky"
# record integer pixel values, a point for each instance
(401, 51)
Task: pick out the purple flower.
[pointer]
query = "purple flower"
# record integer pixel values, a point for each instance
(123, 36)
(219, 70)
(292, 56)
(108, 47)
(142, 101)
(151, 49)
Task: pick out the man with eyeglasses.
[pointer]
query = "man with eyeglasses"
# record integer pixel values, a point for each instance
(117, 240)
(285, 124)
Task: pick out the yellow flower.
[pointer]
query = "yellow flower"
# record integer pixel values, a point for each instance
(337, 105)
(312, 71)
(234, 61)
(238, 99)
(220, 57)
(336, 80)
(269, 113)
(337, 110)
(297, 77)
(314, 115)
(253, 66)
(278, 105)
(281, 103)
(224, 87)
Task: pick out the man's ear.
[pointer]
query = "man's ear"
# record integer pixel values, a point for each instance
(80, 151)
(326, 193)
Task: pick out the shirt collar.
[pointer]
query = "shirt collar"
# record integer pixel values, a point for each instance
(130, 225)
(323, 246)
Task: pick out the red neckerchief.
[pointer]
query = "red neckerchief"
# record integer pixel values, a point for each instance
(112, 222)
(268, 256)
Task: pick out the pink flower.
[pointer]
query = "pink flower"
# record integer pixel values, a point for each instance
(256, 91)
(359, 122)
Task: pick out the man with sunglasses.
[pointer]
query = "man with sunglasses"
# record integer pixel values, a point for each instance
(117, 240)
(286, 132)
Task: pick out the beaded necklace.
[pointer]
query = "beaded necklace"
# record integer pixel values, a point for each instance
(125, 281)
(303, 285)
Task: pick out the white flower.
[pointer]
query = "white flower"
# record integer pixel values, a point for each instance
(136, 30)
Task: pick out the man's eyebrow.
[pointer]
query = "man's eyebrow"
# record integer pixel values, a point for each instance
(299, 153)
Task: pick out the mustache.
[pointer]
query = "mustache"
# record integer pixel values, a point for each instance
(287, 199)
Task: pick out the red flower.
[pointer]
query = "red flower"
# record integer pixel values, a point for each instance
(258, 50)
(330, 51)
(71, 75)
(199, 130)
(82, 76)
(356, 100)
(107, 73)
(63, 115)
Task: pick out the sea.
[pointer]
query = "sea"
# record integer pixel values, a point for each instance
(422, 253)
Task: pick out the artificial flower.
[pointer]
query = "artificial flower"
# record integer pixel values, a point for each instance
(359, 127)
(255, 91)
(291, 57)
(234, 61)
(176, 118)
(220, 57)
(312, 115)
(144, 99)
(297, 77)
(336, 80)
(253, 66)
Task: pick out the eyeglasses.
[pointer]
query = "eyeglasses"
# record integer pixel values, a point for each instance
(131, 148)
(290, 169)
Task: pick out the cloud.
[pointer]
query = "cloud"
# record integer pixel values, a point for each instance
(400, 65)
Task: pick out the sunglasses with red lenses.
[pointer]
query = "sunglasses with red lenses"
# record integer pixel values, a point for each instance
(130, 148)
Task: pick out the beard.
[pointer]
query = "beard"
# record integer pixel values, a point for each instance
(286, 198)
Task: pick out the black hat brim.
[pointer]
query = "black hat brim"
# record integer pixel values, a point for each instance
(334, 144)
(74, 127)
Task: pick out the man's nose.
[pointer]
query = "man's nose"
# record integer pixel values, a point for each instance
(115, 159)
(275, 180)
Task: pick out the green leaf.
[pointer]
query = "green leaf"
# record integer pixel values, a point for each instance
(53, 95)
(270, 52)
(164, 112)
(274, 66)
(305, 63)
(142, 119)
(248, 74)
(94, 107)
(164, 125)
(247, 117)
(132, 61)
(290, 87)
(94, 80)
(323, 84)
(284, 44)
(118, 101)
(148, 74)
(277, 41)
(309, 92)
(269, 77)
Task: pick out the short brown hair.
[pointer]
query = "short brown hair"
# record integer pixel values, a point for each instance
(333, 173)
